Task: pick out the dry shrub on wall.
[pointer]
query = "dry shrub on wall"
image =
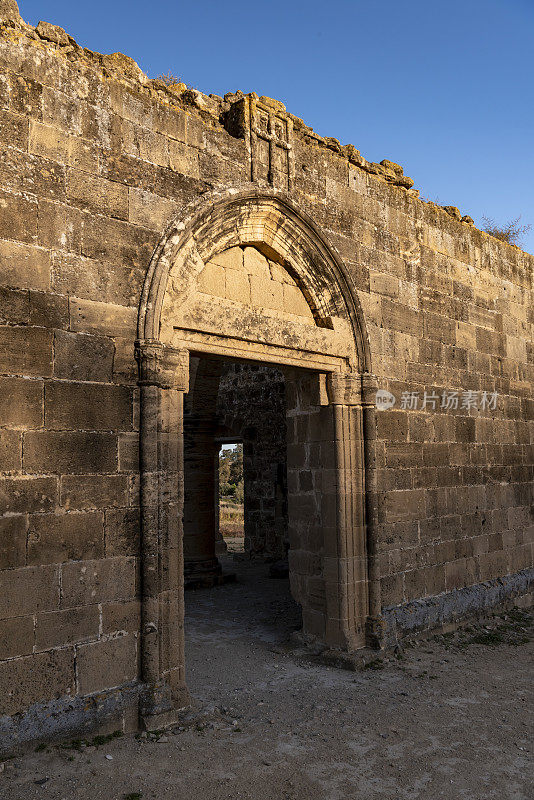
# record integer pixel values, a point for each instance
(510, 232)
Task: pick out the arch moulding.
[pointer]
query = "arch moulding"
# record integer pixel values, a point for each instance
(176, 317)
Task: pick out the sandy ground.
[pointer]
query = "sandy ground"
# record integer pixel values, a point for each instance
(449, 719)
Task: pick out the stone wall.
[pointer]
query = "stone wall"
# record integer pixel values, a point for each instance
(251, 406)
(96, 161)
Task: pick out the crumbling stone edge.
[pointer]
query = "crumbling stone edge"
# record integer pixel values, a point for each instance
(59, 719)
(457, 606)
(212, 109)
(419, 618)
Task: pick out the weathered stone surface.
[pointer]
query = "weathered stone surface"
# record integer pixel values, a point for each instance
(70, 452)
(60, 628)
(82, 357)
(87, 582)
(123, 534)
(9, 11)
(21, 402)
(28, 590)
(27, 494)
(97, 194)
(118, 617)
(10, 451)
(13, 541)
(18, 221)
(16, 637)
(53, 538)
(37, 677)
(105, 664)
(53, 33)
(89, 316)
(26, 351)
(89, 407)
(93, 491)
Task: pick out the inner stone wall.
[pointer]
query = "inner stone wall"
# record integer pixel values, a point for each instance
(251, 405)
(96, 161)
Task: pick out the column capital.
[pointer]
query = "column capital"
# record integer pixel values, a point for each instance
(344, 388)
(369, 389)
(162, 365)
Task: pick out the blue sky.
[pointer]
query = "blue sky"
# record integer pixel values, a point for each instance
(444, 88)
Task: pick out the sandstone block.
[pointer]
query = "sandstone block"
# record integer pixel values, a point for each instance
(212, 280)
(80, 492)
(13, 542)
(405, 505)
(18, 221)
(401, 318)
(28, 590)
(27, 494)
(26, 351)
(384, 284)
(121, 617)
(10, 451)
(103, 318)
(54, 538)
(21, 402)
(36, 678)
(83, 154)
(14, 130)
(21, 95)
(97, 194)
(24, 266)
(14, 306)
(102, 665)
(59, 628)
(62, 110)
(88, 406)
(16, 637)
(83, 357)
(29, 173)
(392, 426)
(69, 452)
(123, 532)
(53, 33)
(49, 310)
(129, 452)
(86, 582)
(88, 278)
(150, 210)
(391, 589)
(295, 302)
(60, 227)
(49, 141)
(183, 159)
(237, 286)
(117, 242)
(265, 293)
(125, 369)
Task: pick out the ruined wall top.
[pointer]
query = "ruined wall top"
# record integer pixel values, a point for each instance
(213, 110)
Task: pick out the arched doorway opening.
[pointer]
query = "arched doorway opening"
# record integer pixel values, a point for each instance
(246, 276)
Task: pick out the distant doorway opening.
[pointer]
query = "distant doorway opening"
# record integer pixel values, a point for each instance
(230, 537)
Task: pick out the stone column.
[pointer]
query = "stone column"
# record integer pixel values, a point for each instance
(201, 565)
(163, 379)
(345, 562)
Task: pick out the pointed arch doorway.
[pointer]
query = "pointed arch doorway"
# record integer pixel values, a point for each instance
(246, 275)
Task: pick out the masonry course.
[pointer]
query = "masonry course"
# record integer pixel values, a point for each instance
(98, 160)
